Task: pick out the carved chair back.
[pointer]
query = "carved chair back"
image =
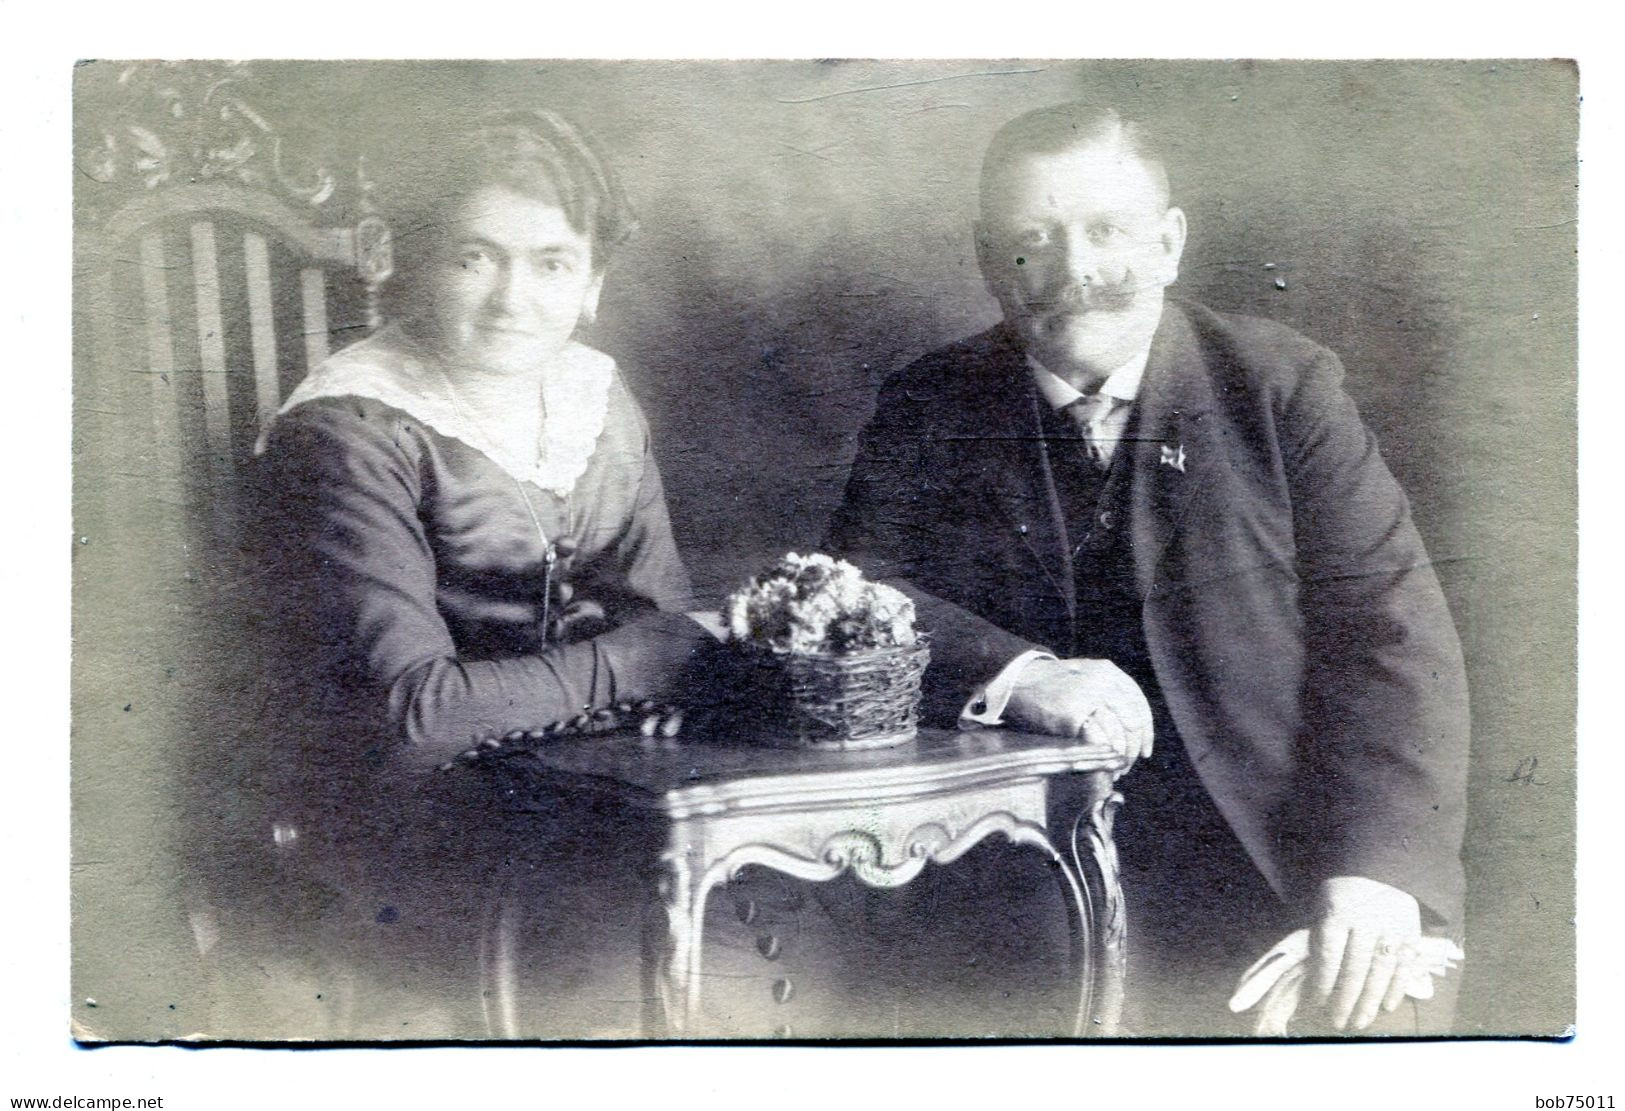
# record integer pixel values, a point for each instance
(215, 266)
(215, 269)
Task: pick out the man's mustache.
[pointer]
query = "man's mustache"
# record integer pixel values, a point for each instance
(1086, 298)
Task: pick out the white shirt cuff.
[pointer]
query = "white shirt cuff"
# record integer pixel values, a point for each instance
(986, 705)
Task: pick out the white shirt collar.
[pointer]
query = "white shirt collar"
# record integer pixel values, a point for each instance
(1122, 383)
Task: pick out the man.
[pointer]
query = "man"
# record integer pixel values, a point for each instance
(1111, 490)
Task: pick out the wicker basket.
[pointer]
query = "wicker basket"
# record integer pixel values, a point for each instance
(856, 701)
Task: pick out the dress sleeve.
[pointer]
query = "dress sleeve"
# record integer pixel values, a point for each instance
(353, 554)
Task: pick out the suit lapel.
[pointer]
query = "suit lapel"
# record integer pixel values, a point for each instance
(1176, 452)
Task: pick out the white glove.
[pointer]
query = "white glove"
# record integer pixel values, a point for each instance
(1276, 980)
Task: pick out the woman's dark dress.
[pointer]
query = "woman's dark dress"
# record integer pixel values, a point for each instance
(409, 579)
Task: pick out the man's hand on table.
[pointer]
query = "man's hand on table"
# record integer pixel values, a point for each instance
(1361, 948)
(1092, 699)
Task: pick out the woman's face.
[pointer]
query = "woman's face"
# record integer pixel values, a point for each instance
(509, 283)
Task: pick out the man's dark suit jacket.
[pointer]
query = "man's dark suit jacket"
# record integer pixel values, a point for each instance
(1294, 624)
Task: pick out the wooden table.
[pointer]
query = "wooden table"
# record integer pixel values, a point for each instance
(881, 816)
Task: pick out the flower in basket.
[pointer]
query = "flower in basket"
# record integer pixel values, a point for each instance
(831, 660)
(815, 605)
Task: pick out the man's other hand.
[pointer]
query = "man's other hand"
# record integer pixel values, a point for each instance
(1361, 948)
(1092, 699)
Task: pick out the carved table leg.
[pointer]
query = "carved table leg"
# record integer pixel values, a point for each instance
(498, 960)
(1094, 855)
(672, 953)
(1080, 921)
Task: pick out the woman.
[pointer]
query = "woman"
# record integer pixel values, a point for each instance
(469, 534)
(468, 506)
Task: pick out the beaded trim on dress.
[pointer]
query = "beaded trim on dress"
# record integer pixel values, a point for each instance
(384, 368)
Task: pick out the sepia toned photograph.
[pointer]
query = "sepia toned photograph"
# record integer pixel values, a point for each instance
(823, 551)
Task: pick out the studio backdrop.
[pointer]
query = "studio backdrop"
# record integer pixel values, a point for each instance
(804, 232)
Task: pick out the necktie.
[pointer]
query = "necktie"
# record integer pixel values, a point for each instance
(1090, 414)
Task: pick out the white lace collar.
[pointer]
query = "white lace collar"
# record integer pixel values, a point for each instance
(386, 368)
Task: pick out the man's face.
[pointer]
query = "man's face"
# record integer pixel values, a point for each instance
(509, 283)
(1078, 246)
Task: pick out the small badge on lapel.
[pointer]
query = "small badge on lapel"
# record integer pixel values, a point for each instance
(1174, 457)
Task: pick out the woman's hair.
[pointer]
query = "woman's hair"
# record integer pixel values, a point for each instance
(537, 154)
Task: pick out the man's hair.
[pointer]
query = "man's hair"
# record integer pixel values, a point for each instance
(1065, 127)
